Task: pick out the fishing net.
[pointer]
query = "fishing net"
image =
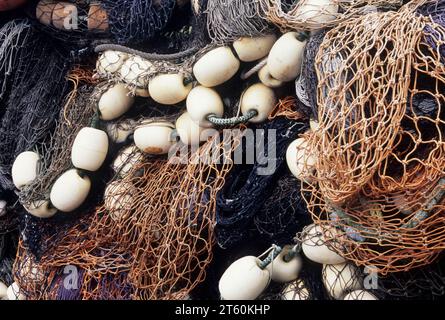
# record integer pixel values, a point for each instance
(306, 83)
(157, 245)
(122, 21)
(227, 20)
(313, 15)
(378, 152)
(31, 92)
(246, 205)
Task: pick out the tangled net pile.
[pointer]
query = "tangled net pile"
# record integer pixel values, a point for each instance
(157, 245)
(379, 146)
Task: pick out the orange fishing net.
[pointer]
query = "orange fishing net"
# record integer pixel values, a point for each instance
(314, 14)
(379, 149)
(151, 239)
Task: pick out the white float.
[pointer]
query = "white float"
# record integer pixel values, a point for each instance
(340, 278)
(243, 280)
(300, 160)
(169, 88)
(202, 102)
(13, 292)
(115, 102)
(41, 209)
(360, 295)
(126, 160)
(189, 132)
(3, 290)
(253, 48)
(315, 249)
(267, 79)
(285, 271)
(260, 98)
(90, 149)
(110, 61)
(135, 71)
(295, 290)
(317, 11)
(25, 168)
(118, 198)
(285, 57)
(216, 67)
(119, 132)
(155, 138)
(69, 191)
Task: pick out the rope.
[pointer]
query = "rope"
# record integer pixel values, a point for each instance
(229, 122)
(254, 70)
(276, 250)
(145, 55)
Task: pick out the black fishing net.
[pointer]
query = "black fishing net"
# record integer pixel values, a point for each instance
(34, 93)
(228, 20)
(240, 210)
(306, 84)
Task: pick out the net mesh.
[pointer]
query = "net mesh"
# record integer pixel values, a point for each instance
(313, 15)
(378, 151)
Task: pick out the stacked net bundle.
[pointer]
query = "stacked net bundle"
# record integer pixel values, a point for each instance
(377, 156)
(313, 15)
(228, 20)
(151, 239)
(255, 187)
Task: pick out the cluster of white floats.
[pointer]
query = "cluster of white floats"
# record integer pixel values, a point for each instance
(70, 190)
(246, 279)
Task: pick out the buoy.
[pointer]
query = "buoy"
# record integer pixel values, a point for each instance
(296, 290)
(25, 168)
(253, 48)
(169, 88)
(314, 245)
(317, 11)
(285, 57)
(216, 67)
(155, 138)
(189, 132)
(300, 161)
(260, 98)
(119, 132)
(360, 295)
(118, 198)
(110, 62)
(115, 102)
(243, 280)
(340, 278)
(90, 149)
(267, 79)
(3, 290)
(44, 10)
(314, 125)
(64, 15)
(135, 71)
(126, 160)
(70, 190)
(13, 292)
(97, 18)
(285, 271)
(202, 102)
(41, 209)
(3, 205)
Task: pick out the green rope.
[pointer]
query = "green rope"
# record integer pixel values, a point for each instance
(229, 122)
(271, 257)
